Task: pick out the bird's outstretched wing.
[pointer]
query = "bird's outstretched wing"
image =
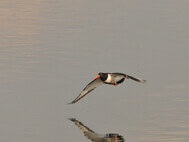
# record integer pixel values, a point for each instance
(135, 79)
(81, 125)
(90, 87)
(90, 134)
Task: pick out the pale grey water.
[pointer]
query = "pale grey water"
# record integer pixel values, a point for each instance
(49, 51)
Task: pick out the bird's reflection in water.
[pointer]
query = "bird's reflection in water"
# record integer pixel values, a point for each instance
(90, 134)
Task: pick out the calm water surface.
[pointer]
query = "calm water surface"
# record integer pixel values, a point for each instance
(49, 51)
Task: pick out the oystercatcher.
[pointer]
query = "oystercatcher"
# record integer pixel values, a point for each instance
(107, 78)
(95, 137)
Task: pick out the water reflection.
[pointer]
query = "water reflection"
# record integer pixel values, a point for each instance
(95, 137)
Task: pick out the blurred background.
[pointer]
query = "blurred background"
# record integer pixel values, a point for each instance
(50, 49)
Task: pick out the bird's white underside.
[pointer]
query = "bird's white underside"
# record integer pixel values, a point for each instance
(108, 79)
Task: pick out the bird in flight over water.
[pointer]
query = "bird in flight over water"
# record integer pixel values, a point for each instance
(106, 78)
(95, 137)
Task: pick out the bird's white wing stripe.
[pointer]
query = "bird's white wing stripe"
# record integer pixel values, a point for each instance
(91, 86)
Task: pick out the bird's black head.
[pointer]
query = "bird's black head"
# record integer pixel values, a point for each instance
(103, 76)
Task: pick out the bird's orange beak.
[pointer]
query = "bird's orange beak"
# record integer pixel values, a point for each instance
(96, 77)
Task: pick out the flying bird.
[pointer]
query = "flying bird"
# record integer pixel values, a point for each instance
(95, 137)
(106, 78)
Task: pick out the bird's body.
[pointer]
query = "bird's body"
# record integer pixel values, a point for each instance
(113, 78)
(107, 78)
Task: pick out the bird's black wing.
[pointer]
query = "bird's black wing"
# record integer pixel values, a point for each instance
(135, 79)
